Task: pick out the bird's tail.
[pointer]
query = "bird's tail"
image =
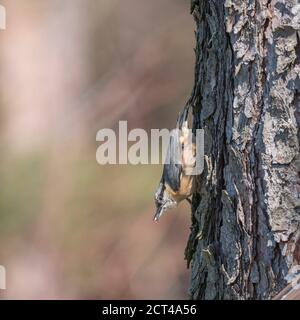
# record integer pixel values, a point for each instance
(183, 116)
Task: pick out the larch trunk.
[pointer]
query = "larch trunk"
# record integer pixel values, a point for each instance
(245, 235)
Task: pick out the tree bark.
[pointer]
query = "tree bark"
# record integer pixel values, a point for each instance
(245, 234)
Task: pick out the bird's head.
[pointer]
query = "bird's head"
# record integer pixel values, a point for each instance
(163, 201)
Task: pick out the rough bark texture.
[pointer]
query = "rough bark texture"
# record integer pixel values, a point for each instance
(244, 239)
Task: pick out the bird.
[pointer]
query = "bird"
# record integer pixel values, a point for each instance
(177, 182)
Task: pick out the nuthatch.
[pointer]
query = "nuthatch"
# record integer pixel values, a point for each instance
(177, 183)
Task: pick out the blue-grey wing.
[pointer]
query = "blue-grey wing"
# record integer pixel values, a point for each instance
(172, 167)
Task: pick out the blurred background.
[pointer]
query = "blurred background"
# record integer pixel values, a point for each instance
(70, 228)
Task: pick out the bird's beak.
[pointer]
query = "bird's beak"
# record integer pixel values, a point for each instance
(158, 213)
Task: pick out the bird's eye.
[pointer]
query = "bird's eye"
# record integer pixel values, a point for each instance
(158, 201)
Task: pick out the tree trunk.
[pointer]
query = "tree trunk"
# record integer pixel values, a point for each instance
(245, 235)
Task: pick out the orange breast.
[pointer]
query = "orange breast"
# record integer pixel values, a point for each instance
(187, 186)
